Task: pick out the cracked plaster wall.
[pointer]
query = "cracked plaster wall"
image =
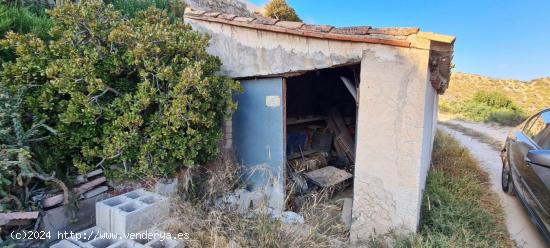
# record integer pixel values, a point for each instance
(395, 131)
(248, 52)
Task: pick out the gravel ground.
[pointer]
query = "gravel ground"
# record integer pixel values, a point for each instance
(521, 230)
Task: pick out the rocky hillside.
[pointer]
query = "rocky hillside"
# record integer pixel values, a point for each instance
(531, 96)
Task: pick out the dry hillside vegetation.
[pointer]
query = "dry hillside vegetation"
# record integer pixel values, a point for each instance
(530, 96)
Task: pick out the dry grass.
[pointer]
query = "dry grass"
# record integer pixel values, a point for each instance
(531, 96)
(194, 212)
(459, 209)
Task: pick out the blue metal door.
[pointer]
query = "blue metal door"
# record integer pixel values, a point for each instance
(258, 133)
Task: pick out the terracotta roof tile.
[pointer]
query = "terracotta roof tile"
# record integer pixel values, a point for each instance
(291, 25)
(317, 28)
(227, 16)
(266, 21)
(394, 31)
(388, 36)
(363, 30)
(194, 12)
(213, 14)
(244, 19)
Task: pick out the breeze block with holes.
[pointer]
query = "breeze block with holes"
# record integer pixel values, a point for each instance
(132, 212)
(96, 237)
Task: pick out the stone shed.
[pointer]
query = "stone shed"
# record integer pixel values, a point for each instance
(374, 90)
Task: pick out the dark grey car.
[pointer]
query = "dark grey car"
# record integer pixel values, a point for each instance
(526, 168)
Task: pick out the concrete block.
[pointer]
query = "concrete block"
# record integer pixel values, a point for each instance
(88, 238)
(104, 209)
(64, 244)
(126, 244)
(135, 194)
(102, 243)
(166, 243)
(140, 211)
(167, 187)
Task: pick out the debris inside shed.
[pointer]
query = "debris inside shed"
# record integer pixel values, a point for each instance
(320, 143)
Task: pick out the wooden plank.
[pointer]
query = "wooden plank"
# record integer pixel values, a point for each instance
(57, 199)
(305, 120)
(344, 143)
(16, 217)
(298, 155)
(328, 176)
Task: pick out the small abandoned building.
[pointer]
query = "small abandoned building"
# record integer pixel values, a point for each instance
(327, 105)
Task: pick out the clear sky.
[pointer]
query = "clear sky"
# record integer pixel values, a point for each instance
(497, 38)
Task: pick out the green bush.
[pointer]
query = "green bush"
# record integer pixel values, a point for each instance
(137, 97)
(493, 99)
(129, 8)
(22, 20)
(487, 107)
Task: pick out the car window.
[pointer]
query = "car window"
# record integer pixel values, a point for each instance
(535, 127)
(543, 138)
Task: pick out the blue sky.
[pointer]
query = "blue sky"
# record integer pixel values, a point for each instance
(497, 38)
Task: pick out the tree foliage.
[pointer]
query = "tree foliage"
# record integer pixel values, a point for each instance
(137, 96)
(279, 9)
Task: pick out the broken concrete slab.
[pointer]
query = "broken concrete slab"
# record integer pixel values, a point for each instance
(328, 176)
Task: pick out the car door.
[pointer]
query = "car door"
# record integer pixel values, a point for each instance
(539, 184)
(519, 145)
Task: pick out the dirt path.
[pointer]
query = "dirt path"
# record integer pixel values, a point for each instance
(517, 221)
(496, 132)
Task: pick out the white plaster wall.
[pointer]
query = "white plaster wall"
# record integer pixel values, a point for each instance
(247, 52)
(395, 129)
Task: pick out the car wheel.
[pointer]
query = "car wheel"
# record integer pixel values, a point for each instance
(506, 179)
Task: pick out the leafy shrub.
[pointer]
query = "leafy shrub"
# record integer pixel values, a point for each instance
(279, 9)
(22, 20)
(139, 96)
(487, 107)
(493, 99)
(129, 8)
(507, 117)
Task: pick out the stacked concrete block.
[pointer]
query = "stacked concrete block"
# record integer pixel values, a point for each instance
(131, 212)
(125, 216)
(65, 244)
(95, 238)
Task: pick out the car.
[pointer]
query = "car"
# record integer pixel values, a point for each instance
(526, 168)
